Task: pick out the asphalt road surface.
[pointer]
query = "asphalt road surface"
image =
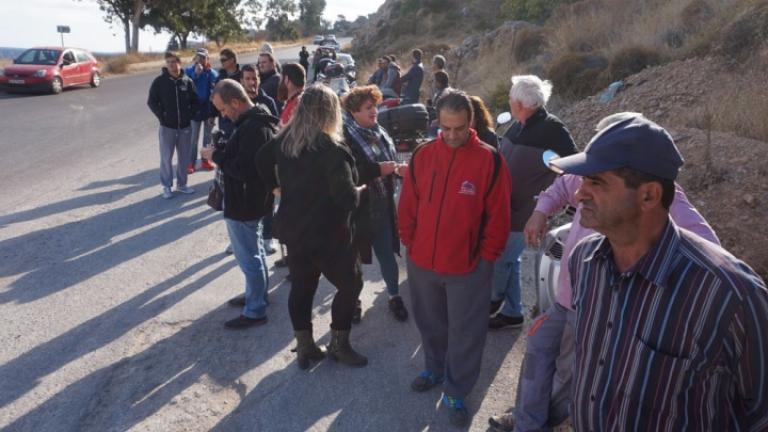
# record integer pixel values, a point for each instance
(112, 299)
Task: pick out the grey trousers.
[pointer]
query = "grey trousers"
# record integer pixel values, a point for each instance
(178, 140)
(545, 379)
(451, 313)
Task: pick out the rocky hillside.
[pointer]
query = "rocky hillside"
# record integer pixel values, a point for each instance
(695, 66)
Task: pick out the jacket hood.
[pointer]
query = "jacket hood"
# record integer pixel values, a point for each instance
(259, 115)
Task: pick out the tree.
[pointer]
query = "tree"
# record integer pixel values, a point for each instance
(341, 25)
(310, 15)
(279, 25)
(129, 14)
(217, 18)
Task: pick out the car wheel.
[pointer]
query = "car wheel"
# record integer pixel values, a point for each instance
(56, 85)
(95, 80)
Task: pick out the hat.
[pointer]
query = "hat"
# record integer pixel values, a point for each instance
(636, 143)
(202, 52)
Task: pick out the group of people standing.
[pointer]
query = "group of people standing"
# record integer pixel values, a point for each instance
(656, 326)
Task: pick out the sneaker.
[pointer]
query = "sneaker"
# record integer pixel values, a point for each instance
(167, 194)
(282, 262)
(426, 380)
(270, 246)
(501, 321)
(229, 250)
(495, 305)
(398, 308)
(243, 321)
(457, 412)
(191, 168)
(502, 423)
(357, 315)
(185, 190)
(206, 165)
(238, 301)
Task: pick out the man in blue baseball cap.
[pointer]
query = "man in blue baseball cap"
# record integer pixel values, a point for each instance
(670, 328)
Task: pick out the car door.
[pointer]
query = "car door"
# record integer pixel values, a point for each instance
(69, 70)
(83, 67)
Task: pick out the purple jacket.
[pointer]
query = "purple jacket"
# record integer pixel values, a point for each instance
(562, 192)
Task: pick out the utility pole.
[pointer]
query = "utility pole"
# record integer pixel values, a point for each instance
(62, 29)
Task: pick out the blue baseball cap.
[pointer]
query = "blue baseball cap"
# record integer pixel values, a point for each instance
(636, 143)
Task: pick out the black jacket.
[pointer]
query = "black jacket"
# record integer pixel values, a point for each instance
(173, 100)
(317, 195)
(364, 229)
(246, 197)
(523, 147)
(269, 83)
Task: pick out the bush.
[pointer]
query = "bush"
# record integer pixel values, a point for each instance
(575, 75)
(117, 65)
(535, 11)
(746, 34)
(632, 60)
(695, 15)
(528, 43)
(499, 97)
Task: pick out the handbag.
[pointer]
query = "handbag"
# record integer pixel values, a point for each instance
(215, 197)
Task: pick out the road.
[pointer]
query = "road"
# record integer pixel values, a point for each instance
(112, 299)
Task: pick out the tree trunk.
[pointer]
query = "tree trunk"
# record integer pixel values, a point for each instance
(127, 30)
(183, 38)
(138, 9)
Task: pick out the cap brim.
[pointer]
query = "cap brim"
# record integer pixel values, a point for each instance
(583, 164)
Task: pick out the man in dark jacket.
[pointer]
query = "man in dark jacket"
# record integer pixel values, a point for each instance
(230, 68)
(246, 199)
(412, 80)
(173, 100)
(270, 79)
(523, 146)
(251, 83)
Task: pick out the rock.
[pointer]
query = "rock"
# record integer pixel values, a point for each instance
(750, 200)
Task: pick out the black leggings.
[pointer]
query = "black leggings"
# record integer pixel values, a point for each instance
(341, 267)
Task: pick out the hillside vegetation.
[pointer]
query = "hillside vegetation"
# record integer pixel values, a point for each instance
(695, 66)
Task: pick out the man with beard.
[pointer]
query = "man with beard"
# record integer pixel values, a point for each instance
(250, 82)
(290, 89)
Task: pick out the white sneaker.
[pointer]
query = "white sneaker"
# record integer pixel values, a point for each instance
(167, 194)
(185, 190)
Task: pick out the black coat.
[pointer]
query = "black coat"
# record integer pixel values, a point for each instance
(246, 197)
(368, 171)
(317, 195)
(269, 83)
(173, 100)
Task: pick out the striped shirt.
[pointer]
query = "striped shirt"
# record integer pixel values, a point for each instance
(677, 343)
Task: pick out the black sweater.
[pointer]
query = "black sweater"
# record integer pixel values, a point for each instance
(173, 100)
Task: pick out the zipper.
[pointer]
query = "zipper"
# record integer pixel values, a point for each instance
(178, 105)
(442, 201)
(432, 186)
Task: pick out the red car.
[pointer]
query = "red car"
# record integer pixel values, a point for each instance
(50, 69)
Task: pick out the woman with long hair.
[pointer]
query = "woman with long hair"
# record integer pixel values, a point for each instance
(318, 193)
(482, 123)
(374, 153)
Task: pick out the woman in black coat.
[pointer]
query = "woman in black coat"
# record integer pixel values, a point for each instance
(318, 193)
(375, 219)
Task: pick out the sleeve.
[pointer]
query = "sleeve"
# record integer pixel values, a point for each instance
(266, 164)
(240, 165)
(686, 216)
(408, 75)
(749, 340)
(338, 174)
(408, 206)
(194, 100)
(560, 193)
(367, 170)
(498, 214)
(153, 101)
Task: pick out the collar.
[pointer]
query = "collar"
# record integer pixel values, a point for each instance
(471, 142)
(538, 115)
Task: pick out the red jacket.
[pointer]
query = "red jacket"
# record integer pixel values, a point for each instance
(450, 216)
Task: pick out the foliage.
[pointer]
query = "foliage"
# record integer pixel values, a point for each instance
(576, 75)
(128, 13)
(536, 11)
(528, 43)
(310, 15)
(279, 24)
(632, 60)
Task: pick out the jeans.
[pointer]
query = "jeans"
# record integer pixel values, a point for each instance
(506, 276)
(207, 127)
(385, 254)
(248, 247)
(170, 140)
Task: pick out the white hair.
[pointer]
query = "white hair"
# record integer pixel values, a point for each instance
(530, 91)
(612, 119)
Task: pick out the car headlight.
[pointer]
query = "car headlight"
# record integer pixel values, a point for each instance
(39, 74)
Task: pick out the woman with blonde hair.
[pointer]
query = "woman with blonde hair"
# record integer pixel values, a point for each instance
(318, 193)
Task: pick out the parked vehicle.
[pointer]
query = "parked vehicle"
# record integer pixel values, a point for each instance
(330, 43)
(407, 125)
(50, 69)
(318, 39)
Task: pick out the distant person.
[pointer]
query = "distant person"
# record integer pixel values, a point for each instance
(453, 229)
(304, 58)
(412, 79)
(670, 330)
(250, 82)
(173, 100)
(292, 84)
(482, 123)
(393, 84)
(268, 75)
(442, 86)
(230, 68)
(266, 48)
(205, 78)
(438, 64)
(317, 180)
(246, 198)
(523, 146)
(379, 76)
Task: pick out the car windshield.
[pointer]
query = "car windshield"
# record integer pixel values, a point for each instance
(39, 57)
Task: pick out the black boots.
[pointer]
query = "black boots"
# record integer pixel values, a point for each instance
(339, 350)
(306, 349)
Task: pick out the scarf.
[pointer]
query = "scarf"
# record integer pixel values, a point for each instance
(376, 144)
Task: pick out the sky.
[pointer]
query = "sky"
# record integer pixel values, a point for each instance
(26, 23)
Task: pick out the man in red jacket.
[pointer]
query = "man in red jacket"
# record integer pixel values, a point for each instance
(453, 217)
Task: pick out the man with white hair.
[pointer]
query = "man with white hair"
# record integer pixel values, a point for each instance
(535, 132)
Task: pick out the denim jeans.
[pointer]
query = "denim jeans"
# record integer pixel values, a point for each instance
(385, 254)
(506, 276)
(248, 248)
(174, 140)
(196, 125)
